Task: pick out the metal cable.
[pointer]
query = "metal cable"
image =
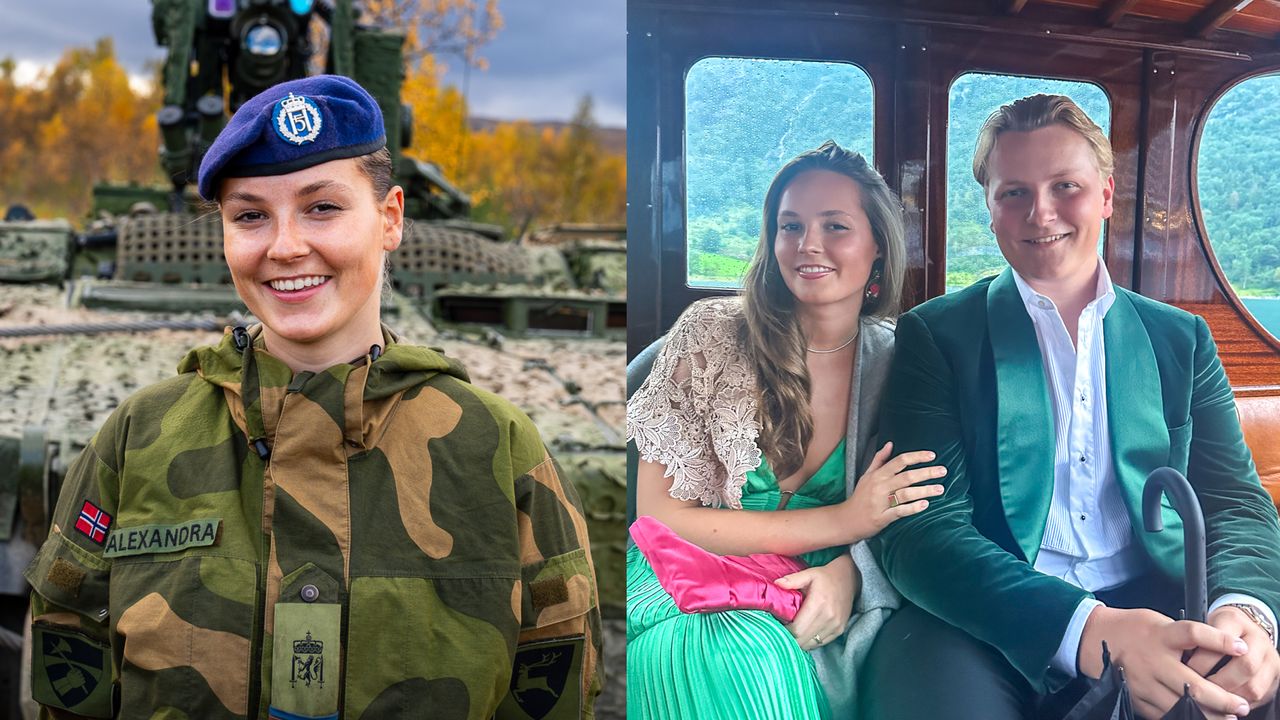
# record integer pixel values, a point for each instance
(110, 327)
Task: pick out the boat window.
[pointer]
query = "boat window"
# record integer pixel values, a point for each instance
(744, 119)
(972, 253)
(1237, 171)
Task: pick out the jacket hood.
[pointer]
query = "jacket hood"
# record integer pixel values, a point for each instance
(359, 397)
(400, 366)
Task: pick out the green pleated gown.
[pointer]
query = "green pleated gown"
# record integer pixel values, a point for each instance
(731, 664)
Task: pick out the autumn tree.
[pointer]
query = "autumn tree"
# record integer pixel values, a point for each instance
(79, 124)
(523, 175)
(436, 28)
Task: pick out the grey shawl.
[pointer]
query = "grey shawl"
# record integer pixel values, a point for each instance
(838, 659)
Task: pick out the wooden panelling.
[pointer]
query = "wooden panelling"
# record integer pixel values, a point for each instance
(1212, 17)
(1252, 363)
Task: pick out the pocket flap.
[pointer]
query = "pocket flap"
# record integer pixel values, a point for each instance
(557, 589)
(66, 574)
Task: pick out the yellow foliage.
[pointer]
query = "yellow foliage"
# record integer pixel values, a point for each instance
(81, 123)
(517, 174)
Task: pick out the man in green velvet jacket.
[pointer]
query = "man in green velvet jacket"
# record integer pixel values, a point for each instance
(1050, 394)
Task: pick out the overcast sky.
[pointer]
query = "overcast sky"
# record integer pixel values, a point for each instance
(548, 55)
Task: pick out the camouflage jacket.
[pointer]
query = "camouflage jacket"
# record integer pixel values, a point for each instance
(377, 540)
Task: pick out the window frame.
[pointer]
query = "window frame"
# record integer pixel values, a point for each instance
(1197, 212)
(757, 201)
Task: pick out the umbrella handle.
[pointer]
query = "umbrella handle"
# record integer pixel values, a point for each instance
(1183, 498)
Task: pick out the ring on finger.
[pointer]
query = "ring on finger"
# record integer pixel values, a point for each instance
(817, 639)
(893, 499)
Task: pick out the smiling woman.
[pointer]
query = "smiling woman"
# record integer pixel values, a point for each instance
(343, 523)
(306, 252)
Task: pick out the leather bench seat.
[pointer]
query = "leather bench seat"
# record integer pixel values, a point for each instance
(1260, 418)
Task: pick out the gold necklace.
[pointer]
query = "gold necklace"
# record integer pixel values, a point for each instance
(846, 344)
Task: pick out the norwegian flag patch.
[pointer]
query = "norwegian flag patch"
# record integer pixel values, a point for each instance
(93, 522)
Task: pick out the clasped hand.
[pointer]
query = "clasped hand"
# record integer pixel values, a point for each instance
(1150, 646)
(828, 600)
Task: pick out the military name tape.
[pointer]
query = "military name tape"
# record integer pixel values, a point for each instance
(145, 539)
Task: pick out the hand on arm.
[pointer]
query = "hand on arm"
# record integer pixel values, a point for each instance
(887, 491)
(1149, 646)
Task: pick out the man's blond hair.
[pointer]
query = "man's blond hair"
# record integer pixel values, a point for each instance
(1035, 112)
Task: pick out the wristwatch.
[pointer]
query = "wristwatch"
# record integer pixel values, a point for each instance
(1257, 616)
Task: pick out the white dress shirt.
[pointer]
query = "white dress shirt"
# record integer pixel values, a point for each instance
(1088, 539)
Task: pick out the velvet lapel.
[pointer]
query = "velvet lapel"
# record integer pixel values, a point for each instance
(1139, 437)
(1024, 416)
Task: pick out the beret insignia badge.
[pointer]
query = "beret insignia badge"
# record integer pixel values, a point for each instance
(297, 119)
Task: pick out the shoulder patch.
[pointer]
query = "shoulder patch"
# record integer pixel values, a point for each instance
(70, 670)
(93, 522)
(546, 681)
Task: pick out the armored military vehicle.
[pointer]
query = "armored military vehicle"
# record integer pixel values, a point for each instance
(89, 315)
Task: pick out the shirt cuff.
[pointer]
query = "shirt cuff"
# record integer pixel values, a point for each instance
(1065, 659)
(1233, 598)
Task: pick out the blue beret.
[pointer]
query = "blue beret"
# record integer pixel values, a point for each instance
(293, 126)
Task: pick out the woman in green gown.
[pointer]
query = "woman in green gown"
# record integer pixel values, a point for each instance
(751, 426)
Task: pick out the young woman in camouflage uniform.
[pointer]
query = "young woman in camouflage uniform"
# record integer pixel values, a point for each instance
(313, 519)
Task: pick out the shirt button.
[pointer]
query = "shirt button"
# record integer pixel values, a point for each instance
(1083, 516)
(1082, 458)
(1044, 304)
(310, 593)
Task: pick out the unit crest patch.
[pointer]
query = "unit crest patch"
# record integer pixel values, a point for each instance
(546, 681)
(70, 670)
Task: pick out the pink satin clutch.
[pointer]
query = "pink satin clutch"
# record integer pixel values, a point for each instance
(701, 581)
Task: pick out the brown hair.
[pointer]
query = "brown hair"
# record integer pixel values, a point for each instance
(377, 167)
(771, 332)
(1035, 112)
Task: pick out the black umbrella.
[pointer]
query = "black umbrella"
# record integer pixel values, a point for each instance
(1183, 498)
(1196, 600)
(1195, 605)
(1108, 698)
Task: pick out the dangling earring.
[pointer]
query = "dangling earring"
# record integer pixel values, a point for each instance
(872, 293)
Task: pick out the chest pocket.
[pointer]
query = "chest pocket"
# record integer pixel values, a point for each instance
(1180, 447)
(182, 633)
(440, 646)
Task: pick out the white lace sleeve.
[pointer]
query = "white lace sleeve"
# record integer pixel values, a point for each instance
(696, 412)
